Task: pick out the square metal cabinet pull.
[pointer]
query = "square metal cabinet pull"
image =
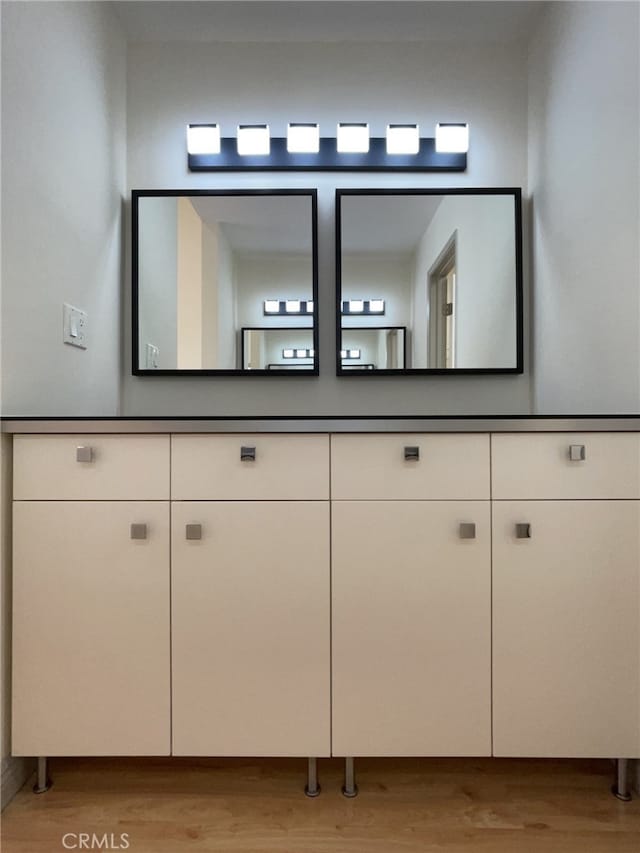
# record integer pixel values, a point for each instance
(193, 531)
(138, 531)
(577, 452)
(248, 454)
(84, 454)
(412, 454)
(523, 531)
(467, 530)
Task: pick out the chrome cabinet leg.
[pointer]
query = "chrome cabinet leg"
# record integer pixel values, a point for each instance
(621, 788)
(312, 788)
(43, 783)
(349, 789)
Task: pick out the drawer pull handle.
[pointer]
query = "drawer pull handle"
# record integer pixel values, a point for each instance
(467, 530)
(84, 454)
(523, 531)
(412, 454)
(193, 531)
(577, 452)
(138, 531)
(247, 454)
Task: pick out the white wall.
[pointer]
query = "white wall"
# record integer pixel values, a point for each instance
(585, 185)
(170, 85)
(485, 297)
(63, 181)
(158, 279)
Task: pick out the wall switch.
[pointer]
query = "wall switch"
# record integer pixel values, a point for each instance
(153, 355)
(74, 326)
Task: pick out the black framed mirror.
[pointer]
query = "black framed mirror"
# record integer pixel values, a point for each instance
(222, 279)
(435, 275)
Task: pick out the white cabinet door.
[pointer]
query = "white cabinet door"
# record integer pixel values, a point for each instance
(566, 636)
(90, 628)
(411, 628)
(250, 632)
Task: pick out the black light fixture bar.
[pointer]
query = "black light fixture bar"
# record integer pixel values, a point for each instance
(328, 159)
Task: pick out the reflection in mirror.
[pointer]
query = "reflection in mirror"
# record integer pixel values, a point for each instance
(441, 269)
(279, 348)
(373, 348)
(224, 281)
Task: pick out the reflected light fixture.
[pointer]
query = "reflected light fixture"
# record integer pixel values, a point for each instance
(452, 138)
(376, 306)
(303, 138)
(292, 306)
(291, 352)
(349, 353)
(356, 306)
(253, 140)
(272, 306)
(403, 139)
(203, 139)
(352, 138)
(363, 306)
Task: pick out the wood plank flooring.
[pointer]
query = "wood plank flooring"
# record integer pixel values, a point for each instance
(257, 806)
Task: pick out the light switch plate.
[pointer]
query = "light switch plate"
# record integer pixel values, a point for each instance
(153, 355)
(74, 326)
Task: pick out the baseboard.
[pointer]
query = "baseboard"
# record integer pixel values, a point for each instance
(15, 772)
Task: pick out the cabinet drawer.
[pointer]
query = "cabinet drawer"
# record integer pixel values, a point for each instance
(385, 467)
(250, 467)
(540, 466)
(116, 467)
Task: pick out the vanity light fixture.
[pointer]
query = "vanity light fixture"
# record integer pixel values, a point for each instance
(290, 352)
(349, 354)
(352, 138)
(363, 306)
(203, 138)
(452, 138)
(302, 149)
(303, 138)
(403, 139)
(287, 306)
(254, 140)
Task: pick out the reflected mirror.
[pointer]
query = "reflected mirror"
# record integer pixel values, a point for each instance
(224, 282)
(429, 281)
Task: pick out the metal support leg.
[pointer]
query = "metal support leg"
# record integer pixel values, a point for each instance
(43, 783)
(621, 788)
(312, 788)
(349, 789)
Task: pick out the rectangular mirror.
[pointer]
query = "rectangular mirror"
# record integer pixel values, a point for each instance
(431, 280)
(224, 281)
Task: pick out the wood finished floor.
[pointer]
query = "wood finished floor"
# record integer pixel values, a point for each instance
(257, 806)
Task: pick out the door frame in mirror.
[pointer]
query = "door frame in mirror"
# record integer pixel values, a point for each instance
(136, 195)
(516, 193)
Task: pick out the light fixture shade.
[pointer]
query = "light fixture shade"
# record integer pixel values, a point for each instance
(403, 139)
(301, 353)
(356, 306)
(253, 140)
(303, 138)
(292, 306)
(309, 306)
(354, 353)
(203, 139)
(452, 138)
(352, 138)
(376, 306)
(271, 306)
(288, 353)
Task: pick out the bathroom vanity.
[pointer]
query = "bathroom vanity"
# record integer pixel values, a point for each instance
(462, 587)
